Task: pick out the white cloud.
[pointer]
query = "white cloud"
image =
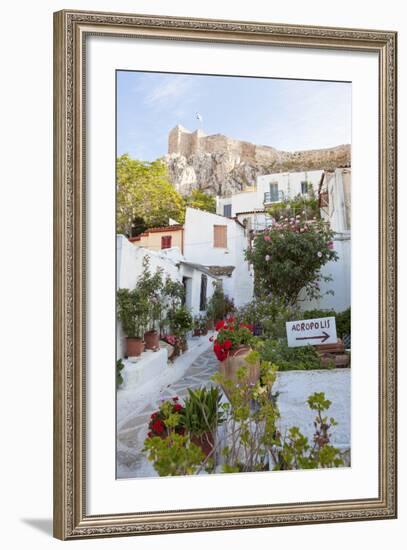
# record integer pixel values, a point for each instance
(169, 91)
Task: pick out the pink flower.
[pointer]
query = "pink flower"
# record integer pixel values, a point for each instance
(267, 238)
(267, 257)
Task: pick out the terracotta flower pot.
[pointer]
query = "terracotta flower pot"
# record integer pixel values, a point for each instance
(236, 359)
(135, 347)
(205, 441)
(152, 339)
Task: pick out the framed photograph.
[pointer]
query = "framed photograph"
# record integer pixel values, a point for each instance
(225, 274)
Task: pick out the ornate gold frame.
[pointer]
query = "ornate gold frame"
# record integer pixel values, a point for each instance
(70, 31)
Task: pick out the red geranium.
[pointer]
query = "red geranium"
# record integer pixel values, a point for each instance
(219, 325)
(158, 426)
(230, 336)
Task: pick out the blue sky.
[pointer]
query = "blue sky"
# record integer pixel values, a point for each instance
(287, 114)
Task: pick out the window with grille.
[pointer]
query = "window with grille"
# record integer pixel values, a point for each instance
(220, 239)
(204, 286)
(272, 195)
(166, 242)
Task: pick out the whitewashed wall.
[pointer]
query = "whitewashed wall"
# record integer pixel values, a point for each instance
(129, 267)
(340, 271)
(289, 183)
(198, 247)
(193, 294)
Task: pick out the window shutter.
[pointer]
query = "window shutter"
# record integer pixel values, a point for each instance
(166, 242)
(220, 236)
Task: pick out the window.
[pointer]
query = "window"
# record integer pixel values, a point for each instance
(304, 187)
(220, 239)
(227, 210)
(273, 192)
(166, 242)
(202, 300)
(272, 195)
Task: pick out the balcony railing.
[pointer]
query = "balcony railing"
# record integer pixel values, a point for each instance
(275, 196)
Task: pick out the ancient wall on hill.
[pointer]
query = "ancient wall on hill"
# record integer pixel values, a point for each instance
(221, 165)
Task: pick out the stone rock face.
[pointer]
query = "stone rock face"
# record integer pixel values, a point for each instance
(222, 166)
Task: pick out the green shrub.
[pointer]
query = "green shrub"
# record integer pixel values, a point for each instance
(278, 353)
(343, 318)
(287, 258)
(268, 315)
(219, 305)
(181, 321)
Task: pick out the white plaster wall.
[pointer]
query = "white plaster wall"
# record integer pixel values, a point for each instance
(288, 182)
(129, 267)
(242, 277)
(130, 263)
(193, 298)
(198, 238)
(198, 247)
(336, 212)
(340, 271)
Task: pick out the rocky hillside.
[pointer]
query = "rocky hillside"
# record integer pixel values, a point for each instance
(223, 166)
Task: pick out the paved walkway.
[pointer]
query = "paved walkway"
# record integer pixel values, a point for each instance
(130, 439)
(294, 387)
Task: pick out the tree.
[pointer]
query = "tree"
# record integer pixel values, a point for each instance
(200, 200)
(288, 257)
(143, 191)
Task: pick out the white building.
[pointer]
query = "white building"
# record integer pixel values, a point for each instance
(249, 207)
(197, 279)
(219, 243)
(333, 191)
(335, 207)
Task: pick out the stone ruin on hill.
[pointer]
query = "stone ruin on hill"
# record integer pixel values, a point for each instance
(222, 166)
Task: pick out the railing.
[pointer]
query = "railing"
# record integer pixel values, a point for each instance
(275, 196)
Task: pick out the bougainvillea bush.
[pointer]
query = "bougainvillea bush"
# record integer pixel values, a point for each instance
(288, 257)
(231, 335)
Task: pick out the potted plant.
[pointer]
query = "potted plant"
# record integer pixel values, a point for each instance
(170, 416)
(202, 416)
(231, 346)
(197, 326)
(181, 323)
(203, 322)
(219, 306)
(132, 311)
(151, 287)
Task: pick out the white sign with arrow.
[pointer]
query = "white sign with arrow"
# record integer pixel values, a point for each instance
(311, 331)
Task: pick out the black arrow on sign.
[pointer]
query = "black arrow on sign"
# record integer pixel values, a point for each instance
(324, 337)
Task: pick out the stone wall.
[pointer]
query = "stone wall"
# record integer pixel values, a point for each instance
(222, 166)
